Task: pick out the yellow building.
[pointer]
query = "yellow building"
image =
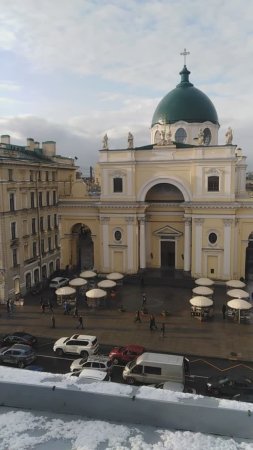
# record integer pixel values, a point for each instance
(179, 203)
(32, 179)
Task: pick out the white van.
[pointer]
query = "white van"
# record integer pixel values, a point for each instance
(156, 368)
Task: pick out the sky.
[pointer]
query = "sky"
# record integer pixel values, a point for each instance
(35, 430)
(72, 71)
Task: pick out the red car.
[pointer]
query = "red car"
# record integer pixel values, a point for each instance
(125, 354)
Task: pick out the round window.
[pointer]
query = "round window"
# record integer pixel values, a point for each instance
(117, 235)
(212, 238)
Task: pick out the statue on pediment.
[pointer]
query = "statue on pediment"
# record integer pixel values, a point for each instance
(201, 138)
(105, 142)
(229, 136)
(130, 140)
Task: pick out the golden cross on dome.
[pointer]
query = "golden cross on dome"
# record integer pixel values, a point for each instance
(184, 54)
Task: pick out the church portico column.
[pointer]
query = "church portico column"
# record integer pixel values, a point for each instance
(187, 244)
(142, 243)
(105, 233)
(198, 245)
(227, 247)
(130, 249)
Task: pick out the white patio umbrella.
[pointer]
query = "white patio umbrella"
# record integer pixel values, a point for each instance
(88, 274)
(202, 290)
(239, 304)
(66, 290)
(204, 282)
(96, 293)
(201, 302)
(238, 293)
(106, 284)
(236, 284)
(114, 276)
(78, 282)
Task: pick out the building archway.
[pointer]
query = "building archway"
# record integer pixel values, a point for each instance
(28, 281)
(249, 259)
(82, 247)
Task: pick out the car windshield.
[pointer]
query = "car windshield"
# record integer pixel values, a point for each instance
(83, 360)
(131, 364)
(54, 282)
(94, 341)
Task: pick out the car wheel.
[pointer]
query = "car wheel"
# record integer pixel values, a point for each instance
(59, 352)
(130, 380)
(116, 361)
(84, 354)
(21, 364)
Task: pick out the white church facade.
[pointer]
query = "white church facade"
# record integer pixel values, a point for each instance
(179, 203)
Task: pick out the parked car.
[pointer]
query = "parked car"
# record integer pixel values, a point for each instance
(78, 344)
(19, 355)
(98, 362)
(176, 387)
(91, 375)
(58, 282)
(224, 386)
(125, 354)
(19, 337)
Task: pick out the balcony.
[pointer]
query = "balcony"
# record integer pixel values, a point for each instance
(30, 260)
(14, 242)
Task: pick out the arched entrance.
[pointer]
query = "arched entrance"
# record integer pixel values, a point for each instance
(28, 281)
(249, 259)
(164, 226)
(82, 247)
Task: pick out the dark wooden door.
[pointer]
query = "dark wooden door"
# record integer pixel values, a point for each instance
(168, 254)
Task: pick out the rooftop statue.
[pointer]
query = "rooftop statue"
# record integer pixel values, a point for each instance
(229, 136)
(130, 140)
(201, 139)
(105, 142)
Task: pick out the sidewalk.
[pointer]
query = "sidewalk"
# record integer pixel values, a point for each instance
(183, 333)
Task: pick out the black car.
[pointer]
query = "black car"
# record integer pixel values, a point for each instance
(18, 355)
(224, 386)
(19, 337)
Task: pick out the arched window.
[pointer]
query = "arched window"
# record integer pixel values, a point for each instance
(213, 184)
(157, 137)
(207, 136)
(117, 185)
(181, 135)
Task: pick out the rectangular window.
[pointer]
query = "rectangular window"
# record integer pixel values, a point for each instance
(10, 174)
(117, 185)
(54, 198)
(47, 178)
(153, 370)
(213, 184)
(33, 226)
(13, 230)
(12, 202)
(49, 222)
(15, 257)
(49, 244)
(40, 199)
(48, 198)
(41, 224)
(31, 175)
(42, 246)
(39, 175)
(25, 227)
(56, 241)
(34, 249)
(55, 220)
(32, 200)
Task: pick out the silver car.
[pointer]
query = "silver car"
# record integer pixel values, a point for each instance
(98, 362)
(19, 355)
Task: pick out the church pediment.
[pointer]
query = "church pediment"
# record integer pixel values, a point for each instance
(168, 231)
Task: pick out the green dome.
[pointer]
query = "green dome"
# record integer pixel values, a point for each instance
(185, 102)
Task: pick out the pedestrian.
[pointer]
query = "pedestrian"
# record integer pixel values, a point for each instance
(43, 307)
(152, 324)
(80, 322)
(144, 299)
(163, 330)
(53, 321)
(75, 314)
(224, 309)
(66, 308)
(137, 317)
(8, 306)
(50, 305)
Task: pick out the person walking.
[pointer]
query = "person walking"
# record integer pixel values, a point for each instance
(163, 330)
(137, 317)
(224, 309)
(53, 321)
(43, 307)
(80, 322)
(152, 324)
(144, 299)
(75, 314)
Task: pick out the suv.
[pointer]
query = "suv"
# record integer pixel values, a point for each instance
(91, 376)
(98, 362)
(125, 354)
(58, 282)
(78, 344)
(19, 354)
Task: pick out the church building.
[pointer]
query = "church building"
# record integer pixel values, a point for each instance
(179, 203)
